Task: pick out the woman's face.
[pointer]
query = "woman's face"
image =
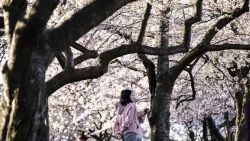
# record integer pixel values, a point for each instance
(122, 100)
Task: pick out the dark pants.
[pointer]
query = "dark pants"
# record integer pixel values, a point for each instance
(131, 137)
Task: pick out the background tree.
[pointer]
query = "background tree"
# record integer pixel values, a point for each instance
(24, 73)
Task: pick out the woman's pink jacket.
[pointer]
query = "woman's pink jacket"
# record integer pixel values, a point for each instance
(128, 120)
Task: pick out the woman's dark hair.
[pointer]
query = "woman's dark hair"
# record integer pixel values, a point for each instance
(125, 97)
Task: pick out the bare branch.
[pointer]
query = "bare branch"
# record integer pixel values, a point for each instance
(13, 11)
(61, 59)
(190, 22)
(227, 46)
(74, 75)
(93, 72)
(200, 49)
(214, 131)
(85, 56)
(189, 98)
(68, 62)
(205, 46)
(83, 21)
(148, 64)
(217, 67)
(129, 67)
(223, 21)
(144, 24)
(107, 56)
(69, 58)
(79, 47)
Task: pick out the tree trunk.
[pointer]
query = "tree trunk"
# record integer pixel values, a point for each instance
(24, 105)
(204, 126)
(247, 120)
(160, 125)
(214, 132)
(242, 106)
(227, 128)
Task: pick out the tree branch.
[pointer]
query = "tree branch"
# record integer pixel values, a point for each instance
(61, 59)
(204, 130)
(200, 49)
(109, 55)
(1, 22)
(13, 11)
(79, 47)
(83, 21)
(223, 21)
(148, 64)
(189, 69)
(226, 47)
(190, 22)
(205, 46)
(69, 64)
(104, 59)
(85, 56)
(129, 67)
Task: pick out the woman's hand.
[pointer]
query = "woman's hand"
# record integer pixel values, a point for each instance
(146, 111)
(119, 136)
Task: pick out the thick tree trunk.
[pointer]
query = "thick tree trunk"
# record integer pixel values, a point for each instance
(24, 105)
(24, 108)
(160, 125)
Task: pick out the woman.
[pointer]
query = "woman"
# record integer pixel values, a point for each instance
(127, 123)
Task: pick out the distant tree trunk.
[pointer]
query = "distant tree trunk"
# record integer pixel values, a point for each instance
(242, 105)
(204, 131)
(191, 135)
(214, 132)
(247, 120)
(227, 131)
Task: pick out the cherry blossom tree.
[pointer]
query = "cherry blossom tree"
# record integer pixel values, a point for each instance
(24, 105)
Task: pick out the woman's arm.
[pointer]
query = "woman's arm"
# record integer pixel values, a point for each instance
(142, 115)
(129, 118)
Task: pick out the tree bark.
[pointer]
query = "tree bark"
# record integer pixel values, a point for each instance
(242, 103)
(191, 135)
(227, 128)
(214, 132)
(160, 125)
(24, 103)
(247, 120)
(25, 107)
(204, 126)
